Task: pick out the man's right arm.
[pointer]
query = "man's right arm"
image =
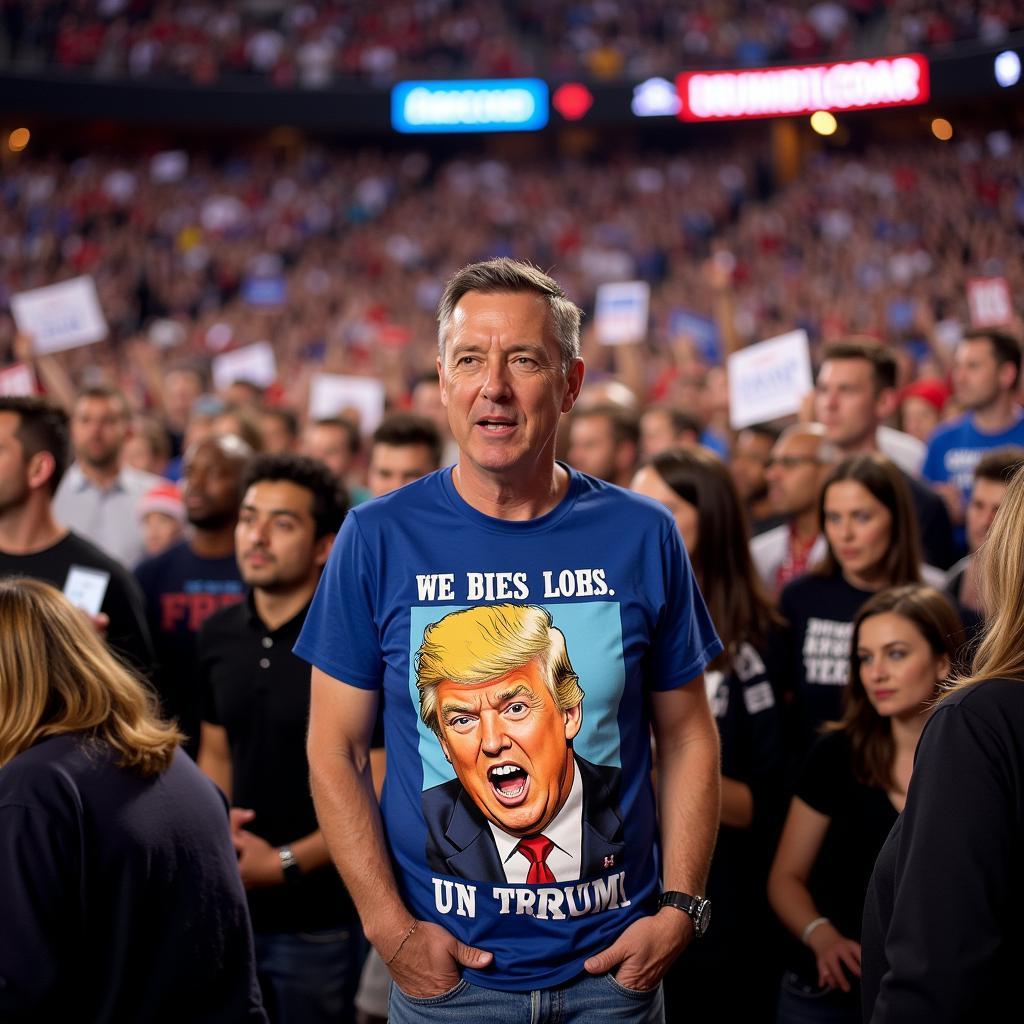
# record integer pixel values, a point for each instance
(423, 958)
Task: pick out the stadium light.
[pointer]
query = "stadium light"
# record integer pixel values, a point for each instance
(824, 123)
(942, 129)
(1007, 68)
(18, 139)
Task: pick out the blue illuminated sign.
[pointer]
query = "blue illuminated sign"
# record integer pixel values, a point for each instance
(487, 105)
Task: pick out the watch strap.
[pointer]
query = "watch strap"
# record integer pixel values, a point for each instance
(289, 864)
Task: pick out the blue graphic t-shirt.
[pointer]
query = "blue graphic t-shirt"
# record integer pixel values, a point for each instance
(955, 449)
(516, 659)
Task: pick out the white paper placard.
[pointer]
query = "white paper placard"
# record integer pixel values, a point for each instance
(85, 588)
(60, 316)
(333, 393)
(989, 301)
(17, 380)
(621, 311)
(769, 379)
(253, 363)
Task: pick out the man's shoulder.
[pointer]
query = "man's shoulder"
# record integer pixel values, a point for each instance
(393, 507)
(231, 620)
(601, 497)
(153, 567)
(77, 550)
(771, 542)
(948, 434)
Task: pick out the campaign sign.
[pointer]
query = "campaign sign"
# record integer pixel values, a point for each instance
(253, 363)
(989, 301)
(60, 316)
(621, 311)
(334, 394)
(264, 291)
(702, 330)
(769, 379)
(17, 380)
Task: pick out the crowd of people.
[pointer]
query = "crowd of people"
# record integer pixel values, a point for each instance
(198, 533)
(320, 43)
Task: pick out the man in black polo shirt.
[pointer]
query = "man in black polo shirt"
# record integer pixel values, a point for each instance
(253, 742)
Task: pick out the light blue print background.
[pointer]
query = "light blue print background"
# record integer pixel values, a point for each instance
(593, 636)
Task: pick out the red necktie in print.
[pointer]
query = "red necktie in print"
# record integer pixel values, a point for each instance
(536, 851)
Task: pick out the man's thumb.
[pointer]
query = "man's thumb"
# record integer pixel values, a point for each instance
(603, 962)
(470, 956)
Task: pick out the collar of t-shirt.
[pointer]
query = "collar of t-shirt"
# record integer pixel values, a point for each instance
(291, 628)
(565, 831)
(79, 482)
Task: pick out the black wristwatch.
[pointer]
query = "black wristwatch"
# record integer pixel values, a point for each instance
(696, 908)
(289, 865)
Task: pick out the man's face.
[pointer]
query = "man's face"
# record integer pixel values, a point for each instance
(749, 458)
(275, 539)
(331, 446)
(395, 465)
(976, 374)
(794, 475)
(276, 435)
(986, 497)
(846, 402)
(181, 389)
(592, 447)
(656, 435)
(14, 487)
(502, 382)
(210, 484)
(509, 746)
(98, 431)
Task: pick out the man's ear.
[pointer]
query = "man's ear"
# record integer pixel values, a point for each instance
(40, 468)
(1007, 376)
(322, 549)
(887, 402)
(573, 384)
(443, 381)
(573, 721)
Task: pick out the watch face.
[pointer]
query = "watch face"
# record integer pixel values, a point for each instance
(703, 918)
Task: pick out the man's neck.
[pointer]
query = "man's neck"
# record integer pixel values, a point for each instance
(862, 446)
(760, 509)
(219, 543)
(275, 608)
(522, 496)
(805, 524)
(998, 416)
(102, 476)
(30, 528)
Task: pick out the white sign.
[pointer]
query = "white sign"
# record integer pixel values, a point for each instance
(989, 301)
(85, 588)
(621, 312)
(769, 379)
(60, 316)
(333, 394)
(253, 363)
(17, 380)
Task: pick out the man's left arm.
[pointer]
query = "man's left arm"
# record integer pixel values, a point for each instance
(260, 864)
(689, 779)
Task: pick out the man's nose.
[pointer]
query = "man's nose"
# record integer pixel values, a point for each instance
(492, 734)
(496, 386)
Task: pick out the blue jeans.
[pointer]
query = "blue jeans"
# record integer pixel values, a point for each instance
(309, 977)
(585, 1000)
(800, 1003)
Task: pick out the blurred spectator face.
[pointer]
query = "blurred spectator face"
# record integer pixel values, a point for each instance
(277, 437)
(393, 466)
(275, 538)
(846, 402)
(920, 417)
(210, 483)
(331, 445)
(747, 465)
(14, 487)
(199, 429)
(978, 379)
(658, 435)
(794, 474)
(858, 528)
(99, 428)
(426, 400)
(244, 394)
(148, 447)
(592, 448)
(159, 532)
(649, 482)
(181, 389)
(986, 497)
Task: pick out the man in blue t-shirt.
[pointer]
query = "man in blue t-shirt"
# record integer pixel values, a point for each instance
(520, 848)
(986, 369)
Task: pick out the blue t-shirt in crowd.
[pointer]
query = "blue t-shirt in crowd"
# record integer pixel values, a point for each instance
(531, 832)
(956, 448)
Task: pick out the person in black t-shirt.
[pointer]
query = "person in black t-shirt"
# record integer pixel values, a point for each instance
(852, 786)
(255, 708)
(699, 491)
(869, 526)
(188, 582)
(33, 457)
(119, 893)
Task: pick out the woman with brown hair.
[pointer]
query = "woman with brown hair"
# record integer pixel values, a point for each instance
(699, 491)
(849, 792)
(942, 919)
(119, 891)
(867, 517)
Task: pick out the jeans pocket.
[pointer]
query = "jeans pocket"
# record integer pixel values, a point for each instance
(325, 938)
(633, 993)
(443, 997)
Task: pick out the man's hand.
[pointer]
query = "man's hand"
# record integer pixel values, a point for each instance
(645, 950)
(258, 862)
(428, 964)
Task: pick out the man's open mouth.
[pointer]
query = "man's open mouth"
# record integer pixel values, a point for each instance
(509, 782)
(496, 425)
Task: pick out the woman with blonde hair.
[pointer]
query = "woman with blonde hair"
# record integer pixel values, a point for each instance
(942, 938)
(119, 895)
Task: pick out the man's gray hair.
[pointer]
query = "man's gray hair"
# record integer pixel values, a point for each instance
(506, 275)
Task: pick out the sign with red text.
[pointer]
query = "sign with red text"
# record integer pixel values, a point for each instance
(989, 301)
(790, 91)
(621, 311)
(17, 380)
